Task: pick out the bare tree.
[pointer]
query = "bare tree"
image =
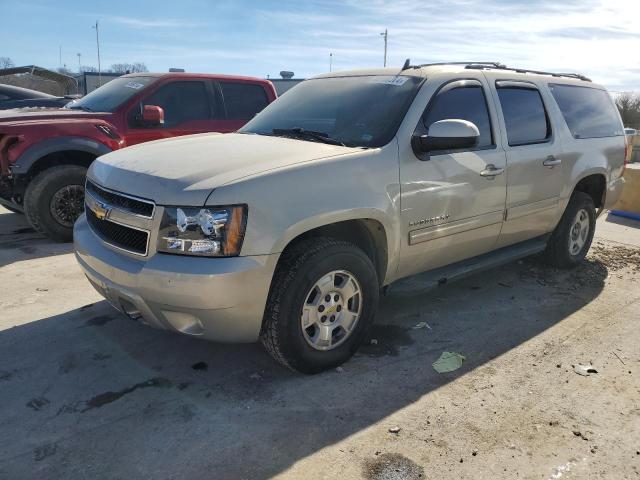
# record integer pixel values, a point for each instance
(64, 71)
(6, 62)
(628, 104)
(88, 68)
(137, 67)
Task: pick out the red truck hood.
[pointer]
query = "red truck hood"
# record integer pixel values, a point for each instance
(25, 116)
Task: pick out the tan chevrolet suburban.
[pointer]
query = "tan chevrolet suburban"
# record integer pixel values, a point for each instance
(286, 230)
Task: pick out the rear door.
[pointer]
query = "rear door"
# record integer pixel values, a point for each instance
(534, 161)
(242, 101)
(190, 106)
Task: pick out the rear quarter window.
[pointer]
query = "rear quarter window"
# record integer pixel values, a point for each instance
(243, 100)
(589, 112)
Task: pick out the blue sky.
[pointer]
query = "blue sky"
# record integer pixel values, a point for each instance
(600, 39)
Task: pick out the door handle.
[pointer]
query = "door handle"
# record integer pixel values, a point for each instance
(551, 161)
(491, 171)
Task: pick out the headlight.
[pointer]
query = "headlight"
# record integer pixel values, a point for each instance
(203, 231)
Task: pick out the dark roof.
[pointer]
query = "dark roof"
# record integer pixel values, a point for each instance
(22, 93)
(61, 78)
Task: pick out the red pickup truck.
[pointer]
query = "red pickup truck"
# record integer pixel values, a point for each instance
(44, 154)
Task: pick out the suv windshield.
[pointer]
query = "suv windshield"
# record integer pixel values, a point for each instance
(363, 111)
(111, 95)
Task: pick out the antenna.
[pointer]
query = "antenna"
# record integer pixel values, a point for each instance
(407, 64)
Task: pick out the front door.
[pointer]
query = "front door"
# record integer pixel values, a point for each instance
(190, 106)
(452, 202)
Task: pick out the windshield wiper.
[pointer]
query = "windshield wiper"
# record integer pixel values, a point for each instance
(80, 107)
(301, 133)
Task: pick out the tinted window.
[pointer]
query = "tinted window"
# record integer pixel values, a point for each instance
(243, 100)
(524, 115)
(362, 111)
(111, 95)
(182, 102)
(589, 112)
(463, 103)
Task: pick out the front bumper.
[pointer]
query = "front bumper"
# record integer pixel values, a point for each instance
(220, 299)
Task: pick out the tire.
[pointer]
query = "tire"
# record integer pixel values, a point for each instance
(562, 249)
(296, 277)
(42, 196)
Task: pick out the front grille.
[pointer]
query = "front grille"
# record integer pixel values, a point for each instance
(137, 207)
(127, 238)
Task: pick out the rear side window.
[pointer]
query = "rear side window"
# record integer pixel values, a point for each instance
(462, 103)
(243, 100)
(524, 115)
(589, 112)
(182, 102)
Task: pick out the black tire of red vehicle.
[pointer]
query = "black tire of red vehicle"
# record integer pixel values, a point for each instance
(42, 191)
(297, 272)
(558, 252)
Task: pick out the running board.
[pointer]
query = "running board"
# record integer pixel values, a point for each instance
(459, 270)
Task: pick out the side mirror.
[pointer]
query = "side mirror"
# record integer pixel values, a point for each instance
(447, 135)
(152, 115)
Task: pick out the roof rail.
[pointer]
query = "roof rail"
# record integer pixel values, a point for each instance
(497, 66)
(524, 70)
(480, 64)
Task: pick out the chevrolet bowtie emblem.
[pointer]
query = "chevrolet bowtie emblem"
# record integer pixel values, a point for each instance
(101, 210)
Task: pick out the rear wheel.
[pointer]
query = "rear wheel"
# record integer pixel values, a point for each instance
(54, 199)
(322, 301)
(572, 238)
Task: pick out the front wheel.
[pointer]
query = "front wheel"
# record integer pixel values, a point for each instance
(570, 241)
(322, 301)
(54, 199)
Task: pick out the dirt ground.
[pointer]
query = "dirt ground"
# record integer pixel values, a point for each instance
(87, 393)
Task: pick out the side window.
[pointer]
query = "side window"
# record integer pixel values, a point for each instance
(243, 100)
(589, 112)
(524, 115)
(182, 102)
(463, 103)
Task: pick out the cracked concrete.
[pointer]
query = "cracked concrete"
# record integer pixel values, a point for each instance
(87, 393)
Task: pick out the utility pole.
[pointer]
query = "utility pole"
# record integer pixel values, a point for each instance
(98, 44)
(385, 34)
(330, 61)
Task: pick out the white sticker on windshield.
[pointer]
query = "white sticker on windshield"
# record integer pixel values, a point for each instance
(397, 81)
(134, 85)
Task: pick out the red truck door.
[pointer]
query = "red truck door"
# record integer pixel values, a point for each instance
(190, 106)
(242, 101)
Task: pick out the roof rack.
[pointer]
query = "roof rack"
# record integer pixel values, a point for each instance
(480, 64)
(497, 66)
(524, 70)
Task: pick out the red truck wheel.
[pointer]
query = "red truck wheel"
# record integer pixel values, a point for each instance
(54, 200)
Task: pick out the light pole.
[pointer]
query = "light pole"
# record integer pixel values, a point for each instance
(98, 44)
(330, 61)
(79, 63)
(385, 35)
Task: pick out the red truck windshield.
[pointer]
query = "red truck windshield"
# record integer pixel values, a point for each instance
(111, 95)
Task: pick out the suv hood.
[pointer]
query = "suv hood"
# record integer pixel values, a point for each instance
(184, 170)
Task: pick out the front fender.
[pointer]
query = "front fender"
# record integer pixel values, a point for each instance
(56, 144)
(288, 202)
